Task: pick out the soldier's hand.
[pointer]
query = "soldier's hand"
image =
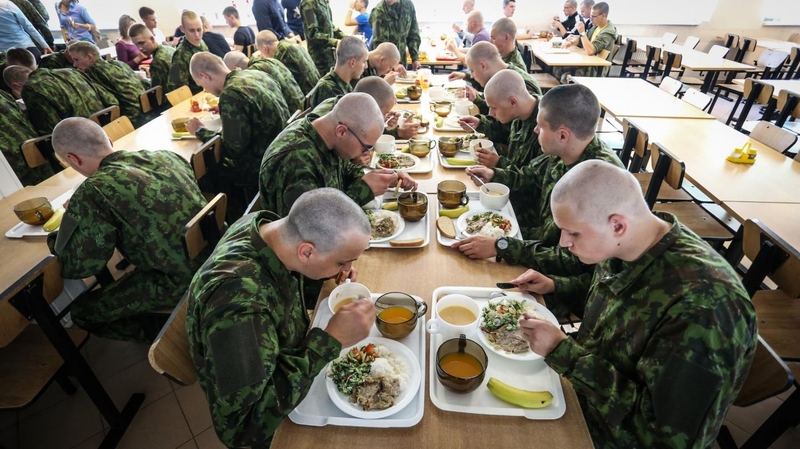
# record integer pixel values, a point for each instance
(487, 158)
(352, 322)
(534, 282)
(193, 125)
(390, 77)
(456, 76)
(543, 336)
(415, 65)
(486, 174)
(469, 120)
(408, 130)
(401, 70)
(407, 180)
(472, 94)
(379, 181)
(476, 247)
(391, 119)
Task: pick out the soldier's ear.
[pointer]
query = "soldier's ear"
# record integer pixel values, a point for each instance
(304, 252)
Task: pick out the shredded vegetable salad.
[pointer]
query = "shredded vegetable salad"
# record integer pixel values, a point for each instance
(348, 371)
(504, 312)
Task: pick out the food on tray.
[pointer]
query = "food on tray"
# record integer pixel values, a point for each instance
(489, 223)
(401, 93)
(470, 137)
(500, 324)
(383, 223)
(342, 303)
(392, 205)
(456, 161)
(396, 161)
(461, 365)
(372, 376)
(407, 242)
(520, 397)
(55, 220)
(454, 213)
(457, 315)
(446, 226)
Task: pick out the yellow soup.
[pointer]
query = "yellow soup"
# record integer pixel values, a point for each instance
(342, 303)
(396, 315)
(461, 364)
(457, 315)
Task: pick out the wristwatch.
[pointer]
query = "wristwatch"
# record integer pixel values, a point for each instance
(501, 244)
(583, 33)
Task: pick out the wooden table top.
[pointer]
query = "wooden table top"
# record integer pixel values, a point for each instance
(692, 59)
(775, 44)
(703, 146)
(576, 57)
(635, 97)
(782, 218)
(779, 85)
(420, 272)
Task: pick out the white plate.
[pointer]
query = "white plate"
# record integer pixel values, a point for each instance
(462, 222)
(448, 124)
(410, 78)
(342, 401)
(414, 158)
(475, 206)
(530, 355)
(411, 229)
(400, 224)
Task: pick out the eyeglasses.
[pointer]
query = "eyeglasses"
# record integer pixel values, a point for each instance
(367, 148)
(596, 16)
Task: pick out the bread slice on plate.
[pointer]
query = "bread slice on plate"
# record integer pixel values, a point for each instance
(446, 227)
(407, 242)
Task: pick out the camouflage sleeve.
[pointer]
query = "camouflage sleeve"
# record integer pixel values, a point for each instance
(159, 75)
(413, 39)
(41, 9)
(178, 72)
(106, 97)
(321, 92)
(356, 188)
(315, 32)
(253, 383)
(205, 135)
(42, 115)
(569, 295)
(527, 177)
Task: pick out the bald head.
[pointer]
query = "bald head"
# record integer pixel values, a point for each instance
(477, 17)
(359, 111)
(235, 60)
(389, 52)
(483, 51)
(506, 83)
(82, 137)
(267, 38)
(573, 106)
(349, 48)
(505, 26)
(209, 63)
(377, 88)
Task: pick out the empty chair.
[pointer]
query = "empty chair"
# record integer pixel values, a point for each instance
(691, 42)
(731, 41)
(755, 92)
(151, 100)
(789, 107)
(696, 98)
(769, 64)
(670, 85)
(39, 151)
(773, 136)
(652, 61)
(717, 51)
(669, 38)
(179, 95)
(793, 70)
(671, 63)
(118, 128)
(627, 58)
(105, 116)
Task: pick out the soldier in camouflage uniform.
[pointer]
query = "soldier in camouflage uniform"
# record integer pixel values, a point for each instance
(351, 59)
(161, 54)
(247, 326)
(137, 202)
(191, 44)
(395, 21)
(668, 330)
(53, 95)
(322, 34)
(115, 76)
(293, 56)
(504, 33)
(276, 70)
(37, 20)
(15, 129)
(381, 62)
(253, 113)
(41, 9)
(57, 60)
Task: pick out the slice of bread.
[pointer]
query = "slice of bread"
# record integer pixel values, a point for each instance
(407, 242)
(446, 227)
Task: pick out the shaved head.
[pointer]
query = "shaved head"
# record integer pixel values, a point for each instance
(20, 56)
(188, 16)
(505, 26)
(389, 51)
(483, 51)
(573, 106)
(235, 60)
(358, 111)
(139, 29)
(16, 74)
(266, 37)
(377, 88)
(82, 137)
(350, 47)
(506, 83)
(205, 62)
(476, 16)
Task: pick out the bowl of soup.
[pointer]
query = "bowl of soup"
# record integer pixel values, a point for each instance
(461, 364)
(347, 293)
(412, 206)
(494, 196)
(397, 314)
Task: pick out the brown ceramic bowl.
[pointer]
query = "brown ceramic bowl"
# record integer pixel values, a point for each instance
(414, 92)
(35, 211)
(420, 146)
(461, 382)
(449, 146)
(398, 314)
(412, 206)
(179, 124)
(452, 193)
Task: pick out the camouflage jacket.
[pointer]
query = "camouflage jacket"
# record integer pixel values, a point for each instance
(520, 139)
(160, 66)
(329, 86)
(54, 61)
(137, 202)
(664, 346)
(298, 161)
(396, 24)
(36, 19)
(327, 106)
(253, 113)
(119, 79)
(41, 8)
(515, 58)
(321, 33)
(531, 85)
(288, 86)
(15, 129)
(179, 69)
(53, 95)
(298, 61)
(248, 334)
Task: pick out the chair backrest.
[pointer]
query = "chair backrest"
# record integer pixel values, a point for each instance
(309, 96)
(105, 116)
(666, 168)
(39, 151)
(731, 40)
(772, 257)
(151, 99)
(696, 98)
(718, 51)
(788, 105)
(691, 42)
(653, 59)
(671, 60)
(207, 157)
(250, 49)
(768, 376)
(670, 85)
(205, 228)
(771, 61)
(755, 92)
(527, 57)
(773, 136)
(746, 44)
(630, 50)
(179, 95)
(169, 354)
(604, 54)
(793, 71)
(794, 37)
(118, 128)
(635, 153)
(669, 38)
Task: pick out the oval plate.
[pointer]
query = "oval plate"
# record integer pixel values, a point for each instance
(462, 222)
(400, 224)
(530, 355)
(397, 153)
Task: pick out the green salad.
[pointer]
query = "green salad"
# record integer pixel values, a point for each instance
(504, 312)
(349, 370)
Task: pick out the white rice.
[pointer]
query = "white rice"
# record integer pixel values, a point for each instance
(389, 366)
(491, 231)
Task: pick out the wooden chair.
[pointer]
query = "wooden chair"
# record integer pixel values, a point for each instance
(696, 98)
(119, 128)
(250, 49)
(670, 85)
(179, 95)
(753, 92)
(39, 151)
(769, 64)
(667, 167)
(669, 38)
(207, 157)
(717, 51)
(105, 116)
(169, 354)
(773, 136)
(671, 63)
(691, 42)
(546, 81)
(792, 71)
(746, 45)
(151, 100)
(789, 107)
(731, 41)
(653, 56)
(627, 59)
(298, 115)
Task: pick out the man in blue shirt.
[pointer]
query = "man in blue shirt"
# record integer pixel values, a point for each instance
(361, 20)
(269, 16)
(17, 31)
(76, 20)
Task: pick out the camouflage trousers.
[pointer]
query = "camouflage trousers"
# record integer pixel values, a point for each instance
(124, 310)
(324, 58)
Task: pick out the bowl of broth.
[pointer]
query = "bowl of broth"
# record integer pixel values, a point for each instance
(461, 364)
(455, 315)
(35, 211)
(397, 314)
(494, 196)
(412, 206)
(346, 294)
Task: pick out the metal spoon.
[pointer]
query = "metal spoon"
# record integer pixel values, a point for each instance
(470, 127)
(482, 183)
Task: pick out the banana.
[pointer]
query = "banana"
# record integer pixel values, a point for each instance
(439, 121)
(453, 213)
(390, 206)
(55, 221)
(456, 161)
(516, 396)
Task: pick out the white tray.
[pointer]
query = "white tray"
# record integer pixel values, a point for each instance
(476, 206)
(412, 230)
(425, 163)
(318, 410)
(459, 155)
(532, 375)
(25, 230)
(446, 127)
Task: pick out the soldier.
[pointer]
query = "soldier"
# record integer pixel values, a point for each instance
(161, 54)
(351, 59)
(38, 21)
(53, 95)
(566, 123)
(247, 326)
(503, 37)
(321, 33)
(294, 57)
(57, 60)
(115, 76)
(191, 44)
(253, 112)
(20, 56)
(276, 70)
(14, 130)
(668, 332)
(137, 202)
(381, 62)
(395, 21)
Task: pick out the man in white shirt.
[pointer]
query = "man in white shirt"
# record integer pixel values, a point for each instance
(149, 19)
(509, 8)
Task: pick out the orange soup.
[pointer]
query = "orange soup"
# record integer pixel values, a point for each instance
(457, 315)
(342, 303)
(396, 315)
(461, 364)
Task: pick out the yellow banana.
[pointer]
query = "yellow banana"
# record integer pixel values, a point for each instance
(456, 161)
(516, 396)
(55, 221)
(390, 206)
(453, 213)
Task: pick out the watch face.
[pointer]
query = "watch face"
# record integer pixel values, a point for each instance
(502, 243)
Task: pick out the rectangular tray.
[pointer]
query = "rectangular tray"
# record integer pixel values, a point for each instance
(415, 230)
(25, 230)
(475, 206)
(529, 375)
(425, 163)
(318, 410)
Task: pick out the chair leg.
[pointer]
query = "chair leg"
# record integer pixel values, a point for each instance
(786, 416)
(65, 383)
(733, 110)
(725, 439)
